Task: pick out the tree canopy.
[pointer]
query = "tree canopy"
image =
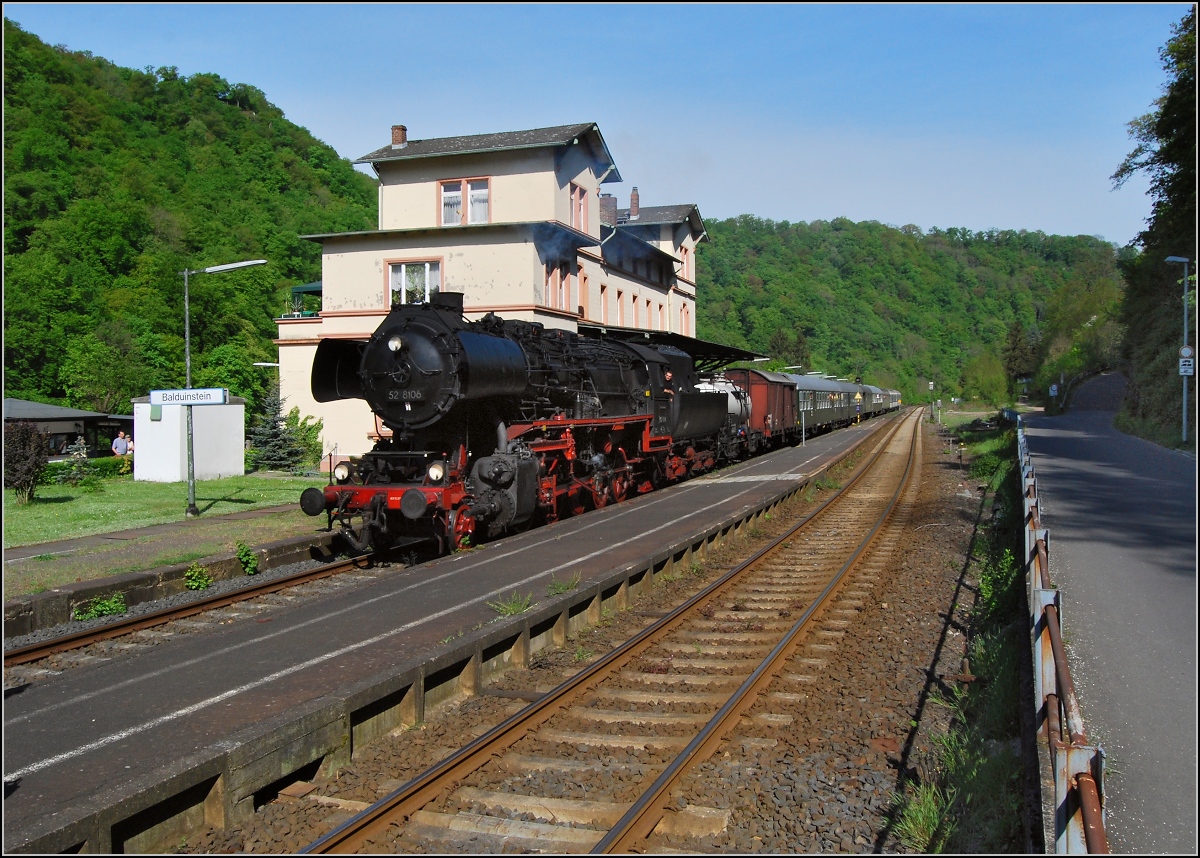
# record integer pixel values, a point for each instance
(903, 307)
(115, 181)
(1153, 302)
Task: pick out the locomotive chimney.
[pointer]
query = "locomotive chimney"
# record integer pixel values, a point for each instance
(399, 136)
(633, 205)
(608, 209)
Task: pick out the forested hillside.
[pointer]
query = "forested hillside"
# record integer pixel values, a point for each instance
(115, 181)
(968, 311)
(1153, 307)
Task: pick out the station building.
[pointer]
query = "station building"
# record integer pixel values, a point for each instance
(517, 222)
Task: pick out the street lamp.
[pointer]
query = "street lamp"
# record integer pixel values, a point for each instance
(192, 510)
(1184, 260)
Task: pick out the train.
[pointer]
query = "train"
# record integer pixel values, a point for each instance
(492, 426)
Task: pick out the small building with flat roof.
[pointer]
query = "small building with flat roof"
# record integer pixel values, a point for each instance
(63, 425)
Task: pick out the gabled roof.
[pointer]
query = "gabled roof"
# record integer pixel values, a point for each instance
(536, 138)
(658, 215)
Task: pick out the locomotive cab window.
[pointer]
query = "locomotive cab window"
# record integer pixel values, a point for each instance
(414, 282)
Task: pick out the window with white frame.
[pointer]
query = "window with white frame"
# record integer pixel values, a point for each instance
(558, 284)
(414, 282)
(579, 218)
(475, 209)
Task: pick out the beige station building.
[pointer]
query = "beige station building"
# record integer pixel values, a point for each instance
(518, 223)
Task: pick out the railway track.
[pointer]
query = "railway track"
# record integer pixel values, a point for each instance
(597, 763)
(143, 622)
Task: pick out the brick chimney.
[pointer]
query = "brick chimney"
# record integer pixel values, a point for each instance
(633, 205)
(399, 136)
(608, 209)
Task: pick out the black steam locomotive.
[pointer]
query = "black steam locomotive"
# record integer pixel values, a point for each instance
(499, 424)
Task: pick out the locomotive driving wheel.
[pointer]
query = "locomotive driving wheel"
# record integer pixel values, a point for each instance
(601, 493)
(459, 526)
(620, 487)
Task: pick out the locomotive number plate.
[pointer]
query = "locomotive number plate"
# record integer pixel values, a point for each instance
(404, 395)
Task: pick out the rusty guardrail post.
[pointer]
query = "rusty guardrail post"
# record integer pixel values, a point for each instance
(1077, 767)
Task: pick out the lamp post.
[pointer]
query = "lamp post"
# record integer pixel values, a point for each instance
(192, 510)
(1184, 260)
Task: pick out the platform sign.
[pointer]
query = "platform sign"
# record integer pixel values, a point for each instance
(1187, 366)
(190, 396)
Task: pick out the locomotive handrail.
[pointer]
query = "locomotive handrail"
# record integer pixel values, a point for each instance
(1077, 766)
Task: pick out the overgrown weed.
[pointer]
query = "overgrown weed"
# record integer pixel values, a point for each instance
(973, 803)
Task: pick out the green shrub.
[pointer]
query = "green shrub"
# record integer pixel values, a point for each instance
(109, 467)
(78, 467)
(307, 436)
(247, 557)
(197, 578)
(25, 458)
(101, 607)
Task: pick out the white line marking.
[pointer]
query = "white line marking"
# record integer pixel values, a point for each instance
(203, 704)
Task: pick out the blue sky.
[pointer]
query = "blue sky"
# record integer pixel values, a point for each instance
(977, 116)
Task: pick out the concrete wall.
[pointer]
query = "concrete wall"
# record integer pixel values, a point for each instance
(218, 442)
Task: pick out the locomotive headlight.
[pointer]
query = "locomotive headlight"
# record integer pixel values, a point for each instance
(342, 472)
(394, 342)
(436, 471)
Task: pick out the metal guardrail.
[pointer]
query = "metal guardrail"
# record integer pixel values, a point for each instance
(1077, 766)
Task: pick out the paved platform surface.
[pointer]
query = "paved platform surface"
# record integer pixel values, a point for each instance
(98, 732)
(1122, 519)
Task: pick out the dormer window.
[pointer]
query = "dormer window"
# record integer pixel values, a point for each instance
(475, 192)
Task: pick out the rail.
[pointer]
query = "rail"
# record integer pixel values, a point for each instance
(1077, 766)
(78, 639)
(637, 820)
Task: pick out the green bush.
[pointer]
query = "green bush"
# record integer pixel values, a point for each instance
(101, 607)
(25, 458)
(247, 557)
(106, 468)
(197, 578)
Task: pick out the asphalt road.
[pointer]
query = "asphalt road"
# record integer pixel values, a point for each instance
(1121, 513)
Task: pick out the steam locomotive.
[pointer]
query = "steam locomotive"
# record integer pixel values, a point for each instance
(497, 425)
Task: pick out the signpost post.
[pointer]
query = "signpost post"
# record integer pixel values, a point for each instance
(1190, 355)
(192, 509)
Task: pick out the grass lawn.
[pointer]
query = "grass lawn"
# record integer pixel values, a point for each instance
(61, 512)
